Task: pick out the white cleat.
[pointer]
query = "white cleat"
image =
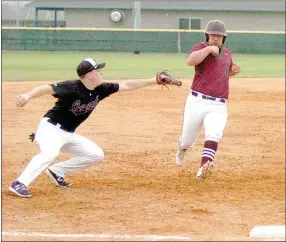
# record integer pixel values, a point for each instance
(180, 156)
(205, 171)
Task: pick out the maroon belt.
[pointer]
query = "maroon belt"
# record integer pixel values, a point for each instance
(209, 98)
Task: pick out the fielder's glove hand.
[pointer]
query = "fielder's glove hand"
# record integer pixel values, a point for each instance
(164, 78)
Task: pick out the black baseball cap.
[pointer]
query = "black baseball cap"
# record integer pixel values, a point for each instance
(88, 65)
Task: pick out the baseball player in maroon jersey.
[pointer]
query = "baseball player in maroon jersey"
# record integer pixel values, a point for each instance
(206, 103)
(56, 131)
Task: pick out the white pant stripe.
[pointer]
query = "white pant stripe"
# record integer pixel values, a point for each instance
(207, 149)
(205, 155)
(209, 153)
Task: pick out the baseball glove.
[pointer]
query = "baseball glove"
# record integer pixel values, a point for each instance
(164, 78)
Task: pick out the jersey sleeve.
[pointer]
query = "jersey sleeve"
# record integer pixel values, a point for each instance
(62, 89)
(197, 46)
(108, 89)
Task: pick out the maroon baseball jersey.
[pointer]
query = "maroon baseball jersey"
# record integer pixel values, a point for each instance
(212, 74)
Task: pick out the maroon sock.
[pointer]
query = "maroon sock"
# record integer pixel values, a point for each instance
(209, 151)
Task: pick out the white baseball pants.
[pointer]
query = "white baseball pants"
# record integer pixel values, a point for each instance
(199, 112)
(52, 140)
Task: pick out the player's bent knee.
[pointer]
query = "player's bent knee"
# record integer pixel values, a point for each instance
(96, 155)
(100, 155)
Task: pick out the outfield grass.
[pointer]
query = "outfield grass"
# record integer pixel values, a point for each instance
(41, 65)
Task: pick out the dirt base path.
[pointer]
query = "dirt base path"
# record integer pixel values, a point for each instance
(138, 189)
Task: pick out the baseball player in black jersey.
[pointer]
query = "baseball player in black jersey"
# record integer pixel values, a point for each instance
(56, 131)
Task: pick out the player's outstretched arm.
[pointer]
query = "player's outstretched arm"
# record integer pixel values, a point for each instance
(135, 84)
(24, 98)
(162, 78)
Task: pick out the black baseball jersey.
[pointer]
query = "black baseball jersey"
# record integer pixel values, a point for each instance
(76, 102)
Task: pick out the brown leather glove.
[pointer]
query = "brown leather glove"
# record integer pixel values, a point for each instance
(164, 78)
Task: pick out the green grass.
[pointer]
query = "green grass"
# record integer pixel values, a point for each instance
(41, 65)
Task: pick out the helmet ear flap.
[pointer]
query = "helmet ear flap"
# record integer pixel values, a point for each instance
(223, 40)
(207, 37)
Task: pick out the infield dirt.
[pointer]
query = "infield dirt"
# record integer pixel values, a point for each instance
(138, 188)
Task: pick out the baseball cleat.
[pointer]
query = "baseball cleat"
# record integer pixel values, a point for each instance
(205, 171)
(58, 180)
(180, 156)
(19, 189)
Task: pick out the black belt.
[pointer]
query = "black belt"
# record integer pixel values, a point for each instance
(209, 98)
(55, 123)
